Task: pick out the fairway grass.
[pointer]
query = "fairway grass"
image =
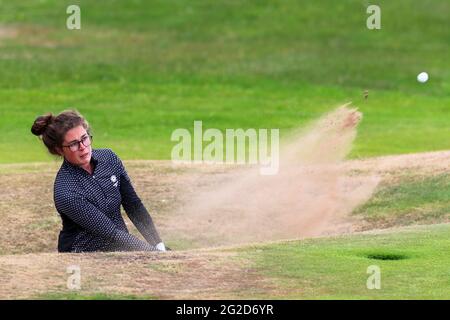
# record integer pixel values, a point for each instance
(336, 268)
(412, 199)
(139, 70)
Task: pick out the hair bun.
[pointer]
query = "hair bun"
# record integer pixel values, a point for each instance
(41, 123)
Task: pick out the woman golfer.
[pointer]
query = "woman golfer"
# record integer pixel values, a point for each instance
(89, 189)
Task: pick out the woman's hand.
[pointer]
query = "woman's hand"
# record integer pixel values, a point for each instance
(161, 247)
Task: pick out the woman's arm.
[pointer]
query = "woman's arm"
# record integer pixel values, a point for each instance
(136, 210)
(86, 215)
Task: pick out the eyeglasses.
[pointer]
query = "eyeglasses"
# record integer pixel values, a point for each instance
(75, 145)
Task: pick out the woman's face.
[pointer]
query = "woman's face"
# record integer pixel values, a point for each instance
(78, 154)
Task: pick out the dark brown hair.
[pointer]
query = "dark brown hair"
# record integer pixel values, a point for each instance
(52, 129)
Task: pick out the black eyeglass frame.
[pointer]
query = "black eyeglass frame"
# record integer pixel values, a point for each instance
(78, 143)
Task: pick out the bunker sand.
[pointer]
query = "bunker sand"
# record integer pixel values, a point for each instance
(181, 275)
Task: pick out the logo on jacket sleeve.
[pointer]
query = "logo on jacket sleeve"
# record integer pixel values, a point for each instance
(114, 181)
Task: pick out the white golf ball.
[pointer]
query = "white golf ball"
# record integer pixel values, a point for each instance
(422, 77)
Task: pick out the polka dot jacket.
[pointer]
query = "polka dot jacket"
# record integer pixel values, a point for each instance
(89, 206)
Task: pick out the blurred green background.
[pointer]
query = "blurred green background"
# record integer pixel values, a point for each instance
(137, 70)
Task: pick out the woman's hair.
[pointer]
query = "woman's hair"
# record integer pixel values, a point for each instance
(52, 129)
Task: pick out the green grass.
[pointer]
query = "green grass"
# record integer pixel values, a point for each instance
(411, 199)
(414, 264)
(94, 296)
(140, 69)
